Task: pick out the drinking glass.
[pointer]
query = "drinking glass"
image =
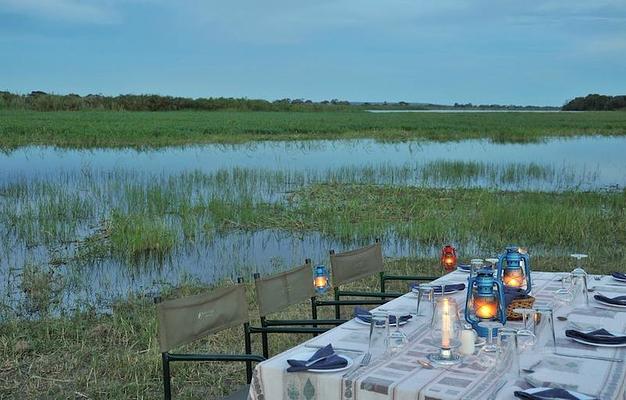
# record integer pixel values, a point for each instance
(579, 282)
(425, 293)
(526, 338)
(397, 338)
(547, 318)
(379, 334)
(488, 354)
(564, 296)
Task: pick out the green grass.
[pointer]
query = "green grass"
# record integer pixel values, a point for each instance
(139, 236)
(153, 129)
(550, 224)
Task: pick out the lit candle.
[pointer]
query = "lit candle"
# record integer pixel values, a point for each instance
(485, 308)
(320, 282)
(513, 278)
(445, 321)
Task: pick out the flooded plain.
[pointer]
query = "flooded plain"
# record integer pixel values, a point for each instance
(56, 203)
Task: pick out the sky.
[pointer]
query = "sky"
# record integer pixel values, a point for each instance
(438, 51)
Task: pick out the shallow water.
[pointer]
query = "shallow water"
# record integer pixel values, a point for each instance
(598, 161)
(30, 176)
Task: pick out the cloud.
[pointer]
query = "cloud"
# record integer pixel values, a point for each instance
(287, 21)
(88, 12)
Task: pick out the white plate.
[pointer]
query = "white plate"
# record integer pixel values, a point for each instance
(305, 355)
(597, 344)
(609, 304)
(447, 291)
(402, 323)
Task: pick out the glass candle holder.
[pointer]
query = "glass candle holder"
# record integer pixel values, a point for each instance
(445, 331)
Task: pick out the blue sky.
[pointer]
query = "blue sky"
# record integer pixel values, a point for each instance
(440, 51)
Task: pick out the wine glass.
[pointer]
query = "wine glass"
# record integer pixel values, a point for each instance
(397, 338)
(488, 354)
(509, 347)
(526, 338)
(476, 265)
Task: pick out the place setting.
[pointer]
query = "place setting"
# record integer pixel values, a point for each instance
(324, 360)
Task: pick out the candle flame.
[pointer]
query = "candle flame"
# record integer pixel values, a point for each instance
(513, 278)
(320, 282)
(485, 308)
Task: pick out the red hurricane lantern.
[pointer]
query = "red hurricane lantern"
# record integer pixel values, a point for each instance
(448, 258)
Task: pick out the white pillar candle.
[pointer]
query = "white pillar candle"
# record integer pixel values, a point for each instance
(468, 341)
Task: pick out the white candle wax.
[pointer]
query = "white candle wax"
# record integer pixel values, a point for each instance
(445, 321)
(468, 339)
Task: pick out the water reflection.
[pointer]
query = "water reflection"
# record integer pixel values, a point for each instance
(581, 156)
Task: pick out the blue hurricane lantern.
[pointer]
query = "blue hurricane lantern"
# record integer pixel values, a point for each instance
(514, 269)
(321, 280)
(485, 300)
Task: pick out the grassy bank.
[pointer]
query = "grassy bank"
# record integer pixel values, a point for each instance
(89, 356)
(153, 129)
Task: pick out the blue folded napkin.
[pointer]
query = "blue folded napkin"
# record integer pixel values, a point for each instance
(618, 301)
(511, 294)
(550, 393)
(600, 336)
(329, 360)
(450, 287)
(465, 267)
(619, 275)
(454, 287)
(364, 315)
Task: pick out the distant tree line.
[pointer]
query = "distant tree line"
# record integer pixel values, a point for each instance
(41, 101)
(596, 102)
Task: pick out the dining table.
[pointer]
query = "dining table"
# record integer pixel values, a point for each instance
(599, 372)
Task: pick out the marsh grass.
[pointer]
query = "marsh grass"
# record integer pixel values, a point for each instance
(154, 129)
(138, 236)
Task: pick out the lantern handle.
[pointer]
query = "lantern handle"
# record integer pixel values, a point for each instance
(501, 300)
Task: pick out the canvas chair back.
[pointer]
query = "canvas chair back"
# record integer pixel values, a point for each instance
(184, 320)
(277, 292)
(356, 264)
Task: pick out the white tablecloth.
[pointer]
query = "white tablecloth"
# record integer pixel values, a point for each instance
(402, 378)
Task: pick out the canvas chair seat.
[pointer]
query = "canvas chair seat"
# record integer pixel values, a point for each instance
(276, 293)
(184, 320)
(357, 264)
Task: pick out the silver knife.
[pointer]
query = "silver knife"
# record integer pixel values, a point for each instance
(315, 346)
(610, 359)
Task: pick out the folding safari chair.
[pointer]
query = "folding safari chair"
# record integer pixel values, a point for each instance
(277, 292)
(184, 320)
(357, 264)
